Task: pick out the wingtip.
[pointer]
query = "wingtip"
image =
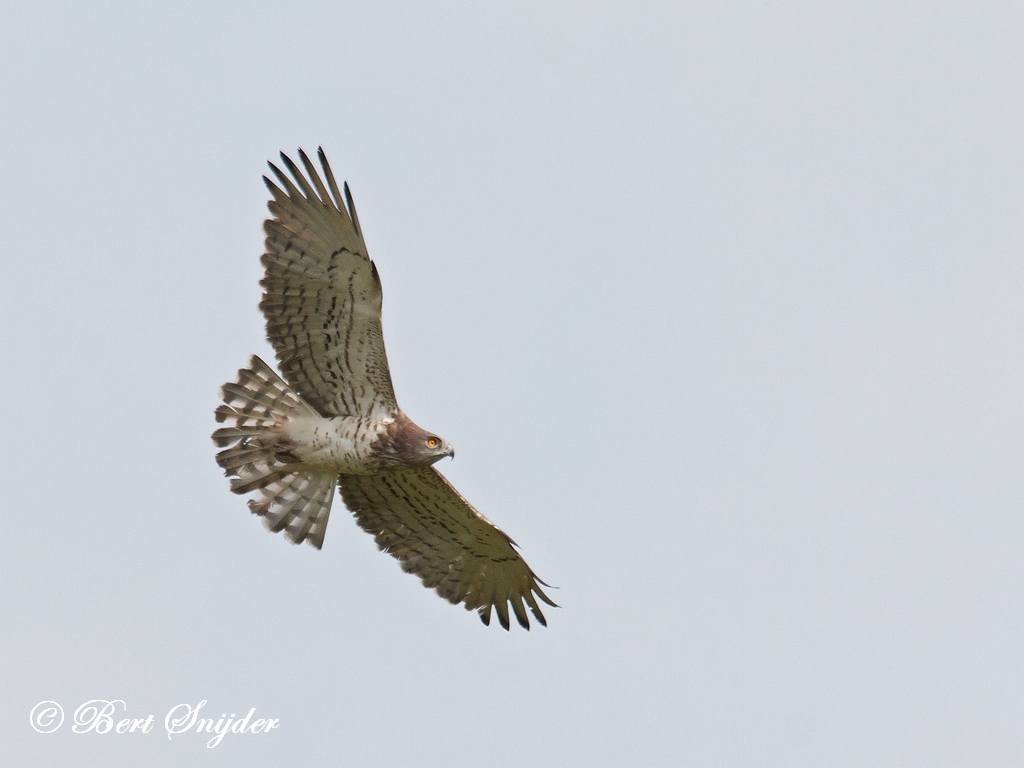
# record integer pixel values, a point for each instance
(281, 177)
(540, 592)
(352, 210)
(290, 164)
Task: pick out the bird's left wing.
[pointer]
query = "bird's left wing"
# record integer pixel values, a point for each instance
(322, 296)
(419, 518)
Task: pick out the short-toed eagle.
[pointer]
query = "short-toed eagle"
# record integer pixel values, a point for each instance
(331, 419)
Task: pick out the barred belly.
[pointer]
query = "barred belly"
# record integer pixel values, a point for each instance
(342, 444)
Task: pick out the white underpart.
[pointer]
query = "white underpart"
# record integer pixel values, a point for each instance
(341, 444)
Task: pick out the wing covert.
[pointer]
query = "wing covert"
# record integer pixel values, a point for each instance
(419, 518)
(322, 296)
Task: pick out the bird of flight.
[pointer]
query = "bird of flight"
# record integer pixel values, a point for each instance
(332, 419)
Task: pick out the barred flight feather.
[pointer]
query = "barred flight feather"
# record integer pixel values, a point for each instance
(417, 517)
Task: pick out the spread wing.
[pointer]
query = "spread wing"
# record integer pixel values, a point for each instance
(419, 518)
(322, 296)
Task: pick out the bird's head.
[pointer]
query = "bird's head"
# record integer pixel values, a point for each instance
(435, 448)
(412, 446)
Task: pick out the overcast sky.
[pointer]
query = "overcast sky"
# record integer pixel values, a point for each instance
(720, 305)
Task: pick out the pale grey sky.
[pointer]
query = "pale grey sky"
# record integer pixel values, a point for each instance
(720, 305)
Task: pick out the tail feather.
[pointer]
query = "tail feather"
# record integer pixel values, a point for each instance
(229, 435)
(292, 498)
(239, 456)
(256, 479)
(253, 400)
(301, 506)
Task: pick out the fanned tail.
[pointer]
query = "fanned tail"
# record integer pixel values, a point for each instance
(292, 498)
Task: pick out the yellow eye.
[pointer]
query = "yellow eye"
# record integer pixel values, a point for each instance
(432, 442)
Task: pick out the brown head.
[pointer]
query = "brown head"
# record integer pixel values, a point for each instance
(404, 444)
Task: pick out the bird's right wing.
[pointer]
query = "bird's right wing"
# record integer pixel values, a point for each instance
(416, 516)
